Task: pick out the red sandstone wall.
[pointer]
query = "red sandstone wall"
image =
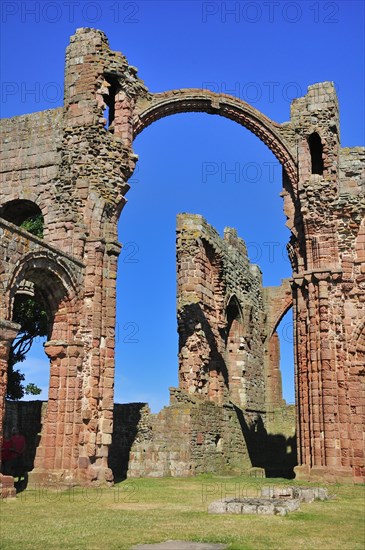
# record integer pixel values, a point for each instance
(220, 316)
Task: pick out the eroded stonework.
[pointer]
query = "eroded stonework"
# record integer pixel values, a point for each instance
(224, 416)
(221, 316)
(73, 165)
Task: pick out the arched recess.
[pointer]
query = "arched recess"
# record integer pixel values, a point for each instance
(52, 277)
(235, 352)
(196, 100)
(233, 313)
(21, 211)
(51, 280)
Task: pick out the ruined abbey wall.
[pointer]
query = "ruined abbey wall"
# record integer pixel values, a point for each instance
(221, 316)
(216, 421)
(73, 165)
(191, 436)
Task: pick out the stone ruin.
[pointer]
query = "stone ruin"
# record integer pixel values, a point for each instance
(229, 377)
(223, 417)
(274, 501)
(72, 166)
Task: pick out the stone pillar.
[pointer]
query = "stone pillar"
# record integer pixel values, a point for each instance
(301, 378)
(107, 360)
(57, 456)
(95, 78)
(97, 376)
(317, 379)
(8, 332)
(274, 384)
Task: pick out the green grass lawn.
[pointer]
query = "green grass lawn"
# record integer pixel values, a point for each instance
(155, 510)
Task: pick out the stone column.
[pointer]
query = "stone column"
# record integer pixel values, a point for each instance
(57, 455)
(107, 360)
(97, 375)
(274, 395)
(296, 335)
(318, 375)
(301, 374)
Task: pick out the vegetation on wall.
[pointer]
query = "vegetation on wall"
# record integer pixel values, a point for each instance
(34, 225)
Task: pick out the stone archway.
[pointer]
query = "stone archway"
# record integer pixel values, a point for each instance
(38, 274)
(278, 140)
(310, 253)
(278, 302)
(195, 100)
(275, 136)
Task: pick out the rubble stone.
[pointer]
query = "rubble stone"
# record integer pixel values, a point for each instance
(259, 506)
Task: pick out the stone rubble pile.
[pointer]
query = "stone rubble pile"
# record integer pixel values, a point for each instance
(274, 501)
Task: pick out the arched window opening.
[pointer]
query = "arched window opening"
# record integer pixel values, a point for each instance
(236, 352)
(25, 214)
(316, 152)
(233, 313)
(109, 91)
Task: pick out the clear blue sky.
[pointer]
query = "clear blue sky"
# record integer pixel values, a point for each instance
(266, 53)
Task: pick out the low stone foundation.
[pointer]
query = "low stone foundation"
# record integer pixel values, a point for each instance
(303, 494)
(274, 501)
(189, 437)
(261, 506)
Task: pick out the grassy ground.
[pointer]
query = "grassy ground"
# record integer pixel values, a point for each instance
(154, 510)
